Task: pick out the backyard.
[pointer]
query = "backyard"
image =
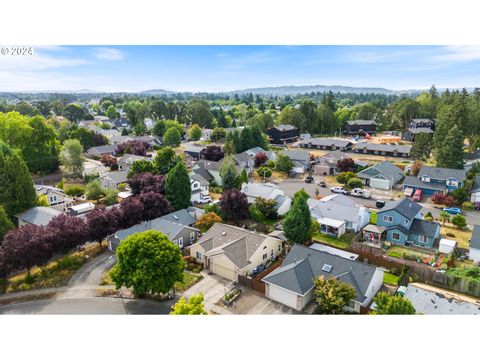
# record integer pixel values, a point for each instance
(462, 237)
(343, 242)
(390, 279)
(400, 252)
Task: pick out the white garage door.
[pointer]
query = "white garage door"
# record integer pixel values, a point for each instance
(223, 272)
(380, 184)
(282, 296)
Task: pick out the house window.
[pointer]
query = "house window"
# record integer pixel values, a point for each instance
(422, 239)
(192, 236)
(180, 242)
(396, 236)
(53, 198)
(195, 185)
(425, 179)
(351, 304)
(387, 218)
(280, 247)
(198, 256)
(452, 182)
(265, 256)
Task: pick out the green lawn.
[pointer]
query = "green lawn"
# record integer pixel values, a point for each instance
(390, 279)
(343, 242)
(373, 217)
(188, 280)
(399, 251)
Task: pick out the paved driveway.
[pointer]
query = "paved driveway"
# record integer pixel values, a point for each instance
(250, 302)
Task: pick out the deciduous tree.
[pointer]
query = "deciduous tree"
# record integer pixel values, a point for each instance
(387, 304)
(147, 182)
(194, 306)
(207, 220)
(212, 153)
(72, 157)
(332, 295)
(234, 205)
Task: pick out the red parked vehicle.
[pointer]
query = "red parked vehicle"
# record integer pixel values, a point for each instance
(418, 195)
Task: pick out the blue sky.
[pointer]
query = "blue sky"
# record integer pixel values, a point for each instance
(224, 68)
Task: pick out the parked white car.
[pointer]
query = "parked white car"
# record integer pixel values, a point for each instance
(339, 190)
(361, 193)
(205, 199)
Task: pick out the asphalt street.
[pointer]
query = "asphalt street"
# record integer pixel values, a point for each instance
(89, 306)
(292, 186)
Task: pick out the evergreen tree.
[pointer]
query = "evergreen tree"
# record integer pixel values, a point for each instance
(450, 154)
(229, 179)
(17, 192)
(5, 223)
(297, 223)
(177, 187)
(422, 147)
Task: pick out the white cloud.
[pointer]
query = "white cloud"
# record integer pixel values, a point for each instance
(458, 53)
(111, 54)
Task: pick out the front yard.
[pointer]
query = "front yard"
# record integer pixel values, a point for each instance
(343, 242)
(189, 279)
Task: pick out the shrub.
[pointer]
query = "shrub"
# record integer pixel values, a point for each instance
(449, 234)
(460, 195)
(468, 206)
(429, 216)
(264, 172)
(344, 177)
(459, 221)
(271, 164)
(74, 190)
(354, 182)
(212, 208)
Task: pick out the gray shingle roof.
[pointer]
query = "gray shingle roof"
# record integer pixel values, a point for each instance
(326, 142)
(475, 238)
(303, 264)
(285, 127)
(118, 177)
(405, 206)
(235, 243)
(297, 155)
(181, 216)
(38, 215)
(129, 159)
(420, 130)
(198, 178)
(442, 173)
(424, 227)
(405, 149)
(384, 169)
(361, 122)
(336, 154)
(416, 121)
(415, 182)
(104, 149)
(335, 208)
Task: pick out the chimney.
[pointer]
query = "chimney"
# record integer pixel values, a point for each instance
(294, 261)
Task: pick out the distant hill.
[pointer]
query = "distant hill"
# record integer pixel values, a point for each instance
(293, 90)
(156, 92)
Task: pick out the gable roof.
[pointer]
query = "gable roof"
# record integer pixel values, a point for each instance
(38, 215)
(442, 173)
(47, 190)
(404, 149)
(199, 178)
(181, 216)
(384, 169)
(405, 207)
(361, 122)
(475, 238)
(104, 149)
(424, 227)
(326, 142)
(118, 177)
(237, 244)
(259, 189)
(297, 155)
(416, 121)
(413, 181)
(129, 159)
(335, 154)
(303, 264)
(336, 207)
(285, 127)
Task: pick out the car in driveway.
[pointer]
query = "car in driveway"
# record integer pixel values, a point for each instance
(380, 204)
(309, 179)
(204, 199)
(339, 190)
(452, 211)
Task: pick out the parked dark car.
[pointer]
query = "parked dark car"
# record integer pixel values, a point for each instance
(477, 205)
(380, 203)
(309, 179)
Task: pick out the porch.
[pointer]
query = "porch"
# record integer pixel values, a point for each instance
(374, 235)
(332, 227)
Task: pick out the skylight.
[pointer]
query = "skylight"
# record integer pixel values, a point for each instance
(327, 268)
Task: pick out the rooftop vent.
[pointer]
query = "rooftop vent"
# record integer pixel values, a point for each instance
(175, 217)
(224, 233)
(327, 268)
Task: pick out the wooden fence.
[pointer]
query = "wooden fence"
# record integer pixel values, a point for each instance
(255, 282)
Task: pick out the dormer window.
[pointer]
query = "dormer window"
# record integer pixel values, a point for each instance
(452, 182)
(425, 178)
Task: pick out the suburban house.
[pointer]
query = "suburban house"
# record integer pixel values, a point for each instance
(327, 144)
(200, 187)
(292, 284)
(209, 170)
(150, 140)
(327, 164)
(229, 251)
(383, 149)
(177, 226)
(300, 159)
(98, 151)
(37, 215)
(401, 222)
(418, 126)
(433, 180)
(254, 151)
(243, 162)
(120, 139)
(475, 190)
(113, 179)
(337, 214)
(360, 127)
(268, 191)
(194, 151)
(282, 134)
(381, 176)
(474, 246)
(56, 197)
(126, 161)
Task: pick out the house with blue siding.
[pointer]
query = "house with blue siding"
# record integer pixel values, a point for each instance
(401, 222)
(433, 180)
